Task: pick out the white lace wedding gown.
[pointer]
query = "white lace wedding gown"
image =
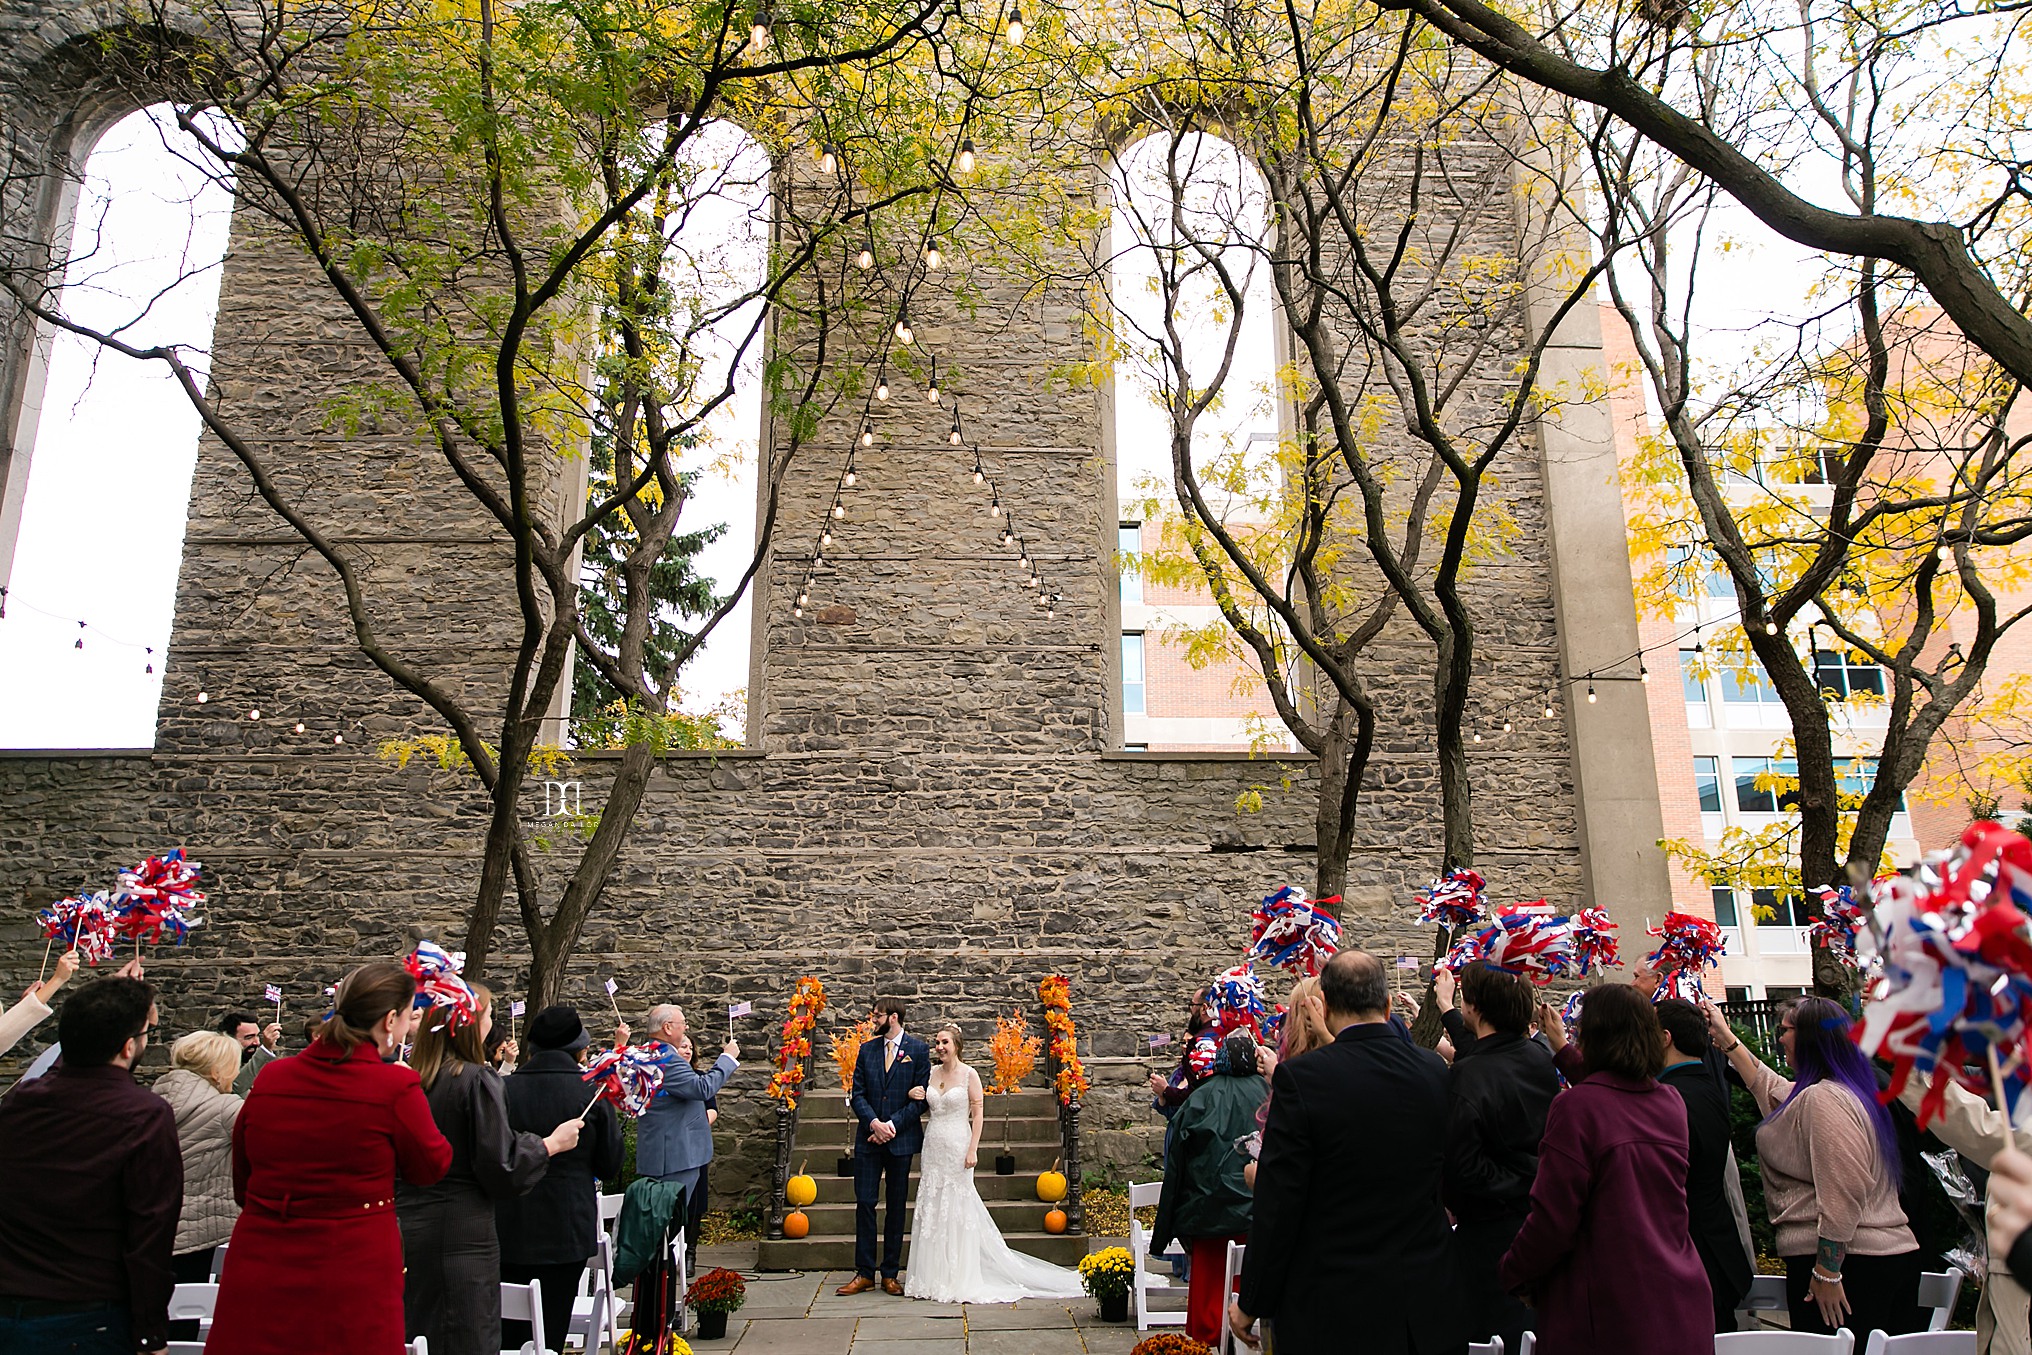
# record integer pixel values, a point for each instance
(957, 1254)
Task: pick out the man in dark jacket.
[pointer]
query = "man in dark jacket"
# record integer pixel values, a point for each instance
(1497, 1095)
(1709, 1216)
(94, 1186)
(1205, 1201)
(1349, 1247)
(549, 1234)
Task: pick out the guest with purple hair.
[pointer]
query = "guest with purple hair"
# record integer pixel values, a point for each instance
(1831, 1167)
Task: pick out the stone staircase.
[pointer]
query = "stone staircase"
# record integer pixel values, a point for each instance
(825, 1129)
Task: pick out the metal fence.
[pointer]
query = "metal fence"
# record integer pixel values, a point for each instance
(1755, 1014)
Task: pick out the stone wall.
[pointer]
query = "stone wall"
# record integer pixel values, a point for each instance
(931, 807)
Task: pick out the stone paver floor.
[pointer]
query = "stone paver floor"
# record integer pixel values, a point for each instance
(799, 1314)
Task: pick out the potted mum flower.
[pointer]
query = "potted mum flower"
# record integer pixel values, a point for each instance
(1106, 1274)
(712, 1296)
(1170, 1343)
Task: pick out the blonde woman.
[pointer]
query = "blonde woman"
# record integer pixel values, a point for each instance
(199, 1088)
(957, 1254)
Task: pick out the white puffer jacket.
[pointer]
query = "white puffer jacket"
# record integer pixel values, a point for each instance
(1973, 1127)
(204, 1130)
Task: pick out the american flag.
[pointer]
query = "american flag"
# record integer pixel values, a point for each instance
(517, 1008)
(740, 1009)
(273, 994)
(612, 987)
(1159, 1041)
(1407, 962)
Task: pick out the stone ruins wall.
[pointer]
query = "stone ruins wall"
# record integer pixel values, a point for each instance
(931, 807)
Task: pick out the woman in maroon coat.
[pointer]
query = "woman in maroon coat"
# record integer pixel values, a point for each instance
(315, 1264)
(1606, 1255)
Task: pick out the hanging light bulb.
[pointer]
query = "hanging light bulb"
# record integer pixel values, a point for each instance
(1022, 555)
(995, 506)
(839, 509)
(1591, 693)
(338, 738)
(829, 158)
(932, 257)
(758, 32)
(1643, 674)
(966, 155)
(797, 610)
(1770, 627)
(149, 667)
(804, 596)
(1506, 726)
(882, 388)
(81, 636)
(931, 392)
(299, 726)
(1548, 707)
(1478, 736)
(867, 435)
(825, 538)
(954, 436)
(865, 260)
(852, 477)
(203, 696)
(903, 330)
(1015, 29)
(1007, 536)
(979, 474)
(254, 714)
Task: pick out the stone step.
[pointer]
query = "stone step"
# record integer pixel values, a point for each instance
(832, 1105)
(1011, 1215)
(822, 1157)
(1022, 1186)
(836, 1138)
(837, 1253)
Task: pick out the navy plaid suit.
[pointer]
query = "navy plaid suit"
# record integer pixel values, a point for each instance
(883, 1169)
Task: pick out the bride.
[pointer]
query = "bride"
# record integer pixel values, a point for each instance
(957, 1255)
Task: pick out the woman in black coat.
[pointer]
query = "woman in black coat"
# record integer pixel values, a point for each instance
(451, 1284)
(549, 1234)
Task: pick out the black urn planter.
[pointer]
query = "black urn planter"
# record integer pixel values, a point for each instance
(1005, 1164)
(843, 1166)
(1114, 1308)
(712, 1326)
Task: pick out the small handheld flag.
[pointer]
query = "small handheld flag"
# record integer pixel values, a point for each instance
(1159, 1041)
(517, 1008)
(272, 994)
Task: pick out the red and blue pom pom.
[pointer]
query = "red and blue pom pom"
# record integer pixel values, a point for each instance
(1841, 918)
(438, 985)
(85, 925)
(1454, 900)
(1236, 998)
(1956, 982)
(1594, 940)
(157, 896)
(1294, 933)
(1525, 938)
(630, 1076)
(1688, 946)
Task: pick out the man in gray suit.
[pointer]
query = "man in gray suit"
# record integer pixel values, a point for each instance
(673, 1139)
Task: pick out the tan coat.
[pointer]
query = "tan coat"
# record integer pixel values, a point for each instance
(1972, 1127)
(21, 1018)
(204, 1130)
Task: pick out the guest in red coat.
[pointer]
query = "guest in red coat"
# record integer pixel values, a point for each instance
(1606, 1254)
(315, 1264)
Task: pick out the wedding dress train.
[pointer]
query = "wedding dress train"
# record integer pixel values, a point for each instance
(957, 1254)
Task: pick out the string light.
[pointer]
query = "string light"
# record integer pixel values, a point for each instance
(1548, 705)
(1506, 726)
(1591, 693)
(1478, 736)
(81, 636)
(1770, 627)
(829, 158)
(254, 714)
(932, 257)
(1643, 673)
(850, 476)
(882, 388)
(995, 506)
(203, 696)
(758, 32)
(825, 538)
(966, 155)
(338, 738)
(903, 330)
(865, 260)
(954, 436)
(979, 474)
(149, 667)
(867, 435)
(1015, 28)
(839, 508)
(299, 726)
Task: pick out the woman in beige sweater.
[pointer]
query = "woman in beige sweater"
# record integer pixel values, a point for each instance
(1830, 1165)
(199, 1088)
(33, 1009)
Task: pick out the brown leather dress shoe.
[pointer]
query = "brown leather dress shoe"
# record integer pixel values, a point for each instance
(890, 1286)
(860, 1284)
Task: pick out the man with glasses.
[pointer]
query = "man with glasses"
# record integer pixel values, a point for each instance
(95, 1184)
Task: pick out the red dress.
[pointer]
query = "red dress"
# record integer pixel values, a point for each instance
(315, 1264)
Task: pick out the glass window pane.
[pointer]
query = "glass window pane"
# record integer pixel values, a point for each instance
(1689, 680)
(1129, 543)
(1747, 689)
(1725, 907)
(1707, 782)
(1830, 673)
(1865, 677)
(1132, 674)
(1749, 798)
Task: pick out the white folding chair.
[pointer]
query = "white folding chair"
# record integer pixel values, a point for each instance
(420, 1346)
(1492, 1346)
(1232, 1269)
(1922, 1343)
(1529, 1344)
(185, 1348)
(1767, 1294)
(1938, 1290)
(610, 1212)
(594, 1315)
(1143, 1282)
(524, 1303)
(218, 1262)
(194, 1303)
(682, 1317)
(1842, 1342)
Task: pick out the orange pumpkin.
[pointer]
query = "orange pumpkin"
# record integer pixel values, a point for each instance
(796, 1224)
(1054, 1221)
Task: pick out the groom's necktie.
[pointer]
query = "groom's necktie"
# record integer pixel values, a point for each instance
(888, 1055)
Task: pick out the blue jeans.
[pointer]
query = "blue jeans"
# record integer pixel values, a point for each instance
(102, 1331)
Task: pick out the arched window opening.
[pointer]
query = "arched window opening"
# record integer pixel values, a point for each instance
(102, 469)
(715, 213)
(1191, 218)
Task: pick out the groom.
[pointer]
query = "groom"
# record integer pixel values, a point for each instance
(888, 1102)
